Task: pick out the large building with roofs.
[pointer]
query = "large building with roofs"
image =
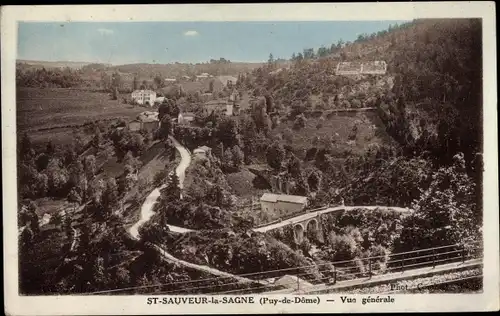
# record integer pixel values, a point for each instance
(144, 97)
(283, 203)
(146, 121)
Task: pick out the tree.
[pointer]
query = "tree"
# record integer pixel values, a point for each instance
(135, 83)
(227, 131)
(270, 61)
(314, 180)
(165, 127)
(109, 199)
(74, 196)
(228, 158)
(158, 81)
(341, 247)
(132, 164)
(172, 192)
(90, 167)
(275, 155)
(300, 122)
(294, 167)
(26, 148)
(50, 148)
(445, 213)
(237, 156)
(269, 103)
(58, 178)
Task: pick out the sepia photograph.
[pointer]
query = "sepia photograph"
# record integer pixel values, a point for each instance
(211, 158)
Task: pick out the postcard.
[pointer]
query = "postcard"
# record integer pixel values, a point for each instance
(250, 158)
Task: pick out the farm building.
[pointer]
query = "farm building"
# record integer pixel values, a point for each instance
(378, 67)
(203, 76)
(283, 203)
(185, 118)
(159, 100)
(146, 121)
(227, 81)
(170, 80)
(203, 151)
(348, 68)
(144, 96)
(134, 126)
(219, 106)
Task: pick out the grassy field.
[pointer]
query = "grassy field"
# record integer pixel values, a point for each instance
(51, 108)
(370, 131)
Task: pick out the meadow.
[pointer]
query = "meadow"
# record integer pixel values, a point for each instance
(43, 109)
(336, 129)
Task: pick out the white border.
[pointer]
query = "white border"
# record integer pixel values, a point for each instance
(77, 305)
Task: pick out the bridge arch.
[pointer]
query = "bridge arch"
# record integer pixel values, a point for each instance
(298, 233)
(312, 229)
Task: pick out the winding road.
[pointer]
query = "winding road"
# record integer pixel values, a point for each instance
(152, 198)
(147, 213)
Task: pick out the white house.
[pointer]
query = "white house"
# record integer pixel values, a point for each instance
(203, 76)
(283, 203)
(202, 151)
(185, 118)
(160, 99)
(144, 96)
(227, 81)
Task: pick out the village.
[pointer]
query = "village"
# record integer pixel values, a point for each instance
(310, 173)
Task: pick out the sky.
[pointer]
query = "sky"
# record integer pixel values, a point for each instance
(184, 42)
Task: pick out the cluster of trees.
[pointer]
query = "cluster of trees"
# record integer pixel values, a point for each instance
(71, 172)
(438, 90)
(105, 258)
(51, 78)
(243, 253)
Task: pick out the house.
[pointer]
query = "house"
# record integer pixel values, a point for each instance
(349, 68)
(203, 151)
(227, 81)
(283, 203)
(134, 126)
(207, 96)
(159, 100)
(229, 109)
(203, 76)
(377, 67)
(219, 106)
(144, 96)
(185, 118)
(146, 121)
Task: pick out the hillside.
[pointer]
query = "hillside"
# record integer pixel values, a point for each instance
(54, 64)
(431, 91)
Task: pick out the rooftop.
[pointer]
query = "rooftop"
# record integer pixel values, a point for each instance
(216, 102)
(224, 79)
(144, 91)
(148, 116)
(270, 197)
(185, 114)
(204, 148)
